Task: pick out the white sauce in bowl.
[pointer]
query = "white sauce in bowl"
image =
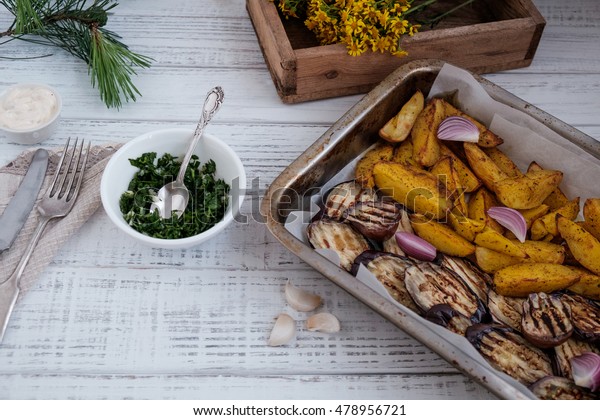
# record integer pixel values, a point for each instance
(27, 107)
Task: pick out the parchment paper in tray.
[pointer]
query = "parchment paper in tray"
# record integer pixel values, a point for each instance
(525, 140)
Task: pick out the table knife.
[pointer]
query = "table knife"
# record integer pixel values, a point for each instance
(16, 212)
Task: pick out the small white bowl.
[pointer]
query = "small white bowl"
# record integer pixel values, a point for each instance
(35, 134)
(119, 173)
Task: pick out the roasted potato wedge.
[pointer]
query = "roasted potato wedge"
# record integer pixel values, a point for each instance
(486, 170)
(528, 191)
(445, 171)
(364, 168)
(468, 180)
(426, 146)
(539, 252)
(588, 285)
(557, 198)
(486, 137)
(503, 162)
(403, 153)
(582, 244)
(531, 215)
(479, 204)
(591, 214)
(441, 236)
(491, 261)
(416, 189)
(522, 279)
(398, 128)
(464, 226)
(547, 224)
(495, 241)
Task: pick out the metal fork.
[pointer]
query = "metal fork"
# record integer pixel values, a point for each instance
(56, 202)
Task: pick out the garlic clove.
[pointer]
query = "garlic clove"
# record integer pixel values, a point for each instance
(323, 322)
(283, 331)
(300, 299)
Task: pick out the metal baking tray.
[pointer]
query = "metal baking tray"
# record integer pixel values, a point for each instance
(346, 139)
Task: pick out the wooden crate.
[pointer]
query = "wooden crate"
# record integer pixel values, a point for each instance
(485, 37)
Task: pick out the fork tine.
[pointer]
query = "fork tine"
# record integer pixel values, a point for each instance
(75, 166)
(82, 171)
(50, 191)
(61, 191)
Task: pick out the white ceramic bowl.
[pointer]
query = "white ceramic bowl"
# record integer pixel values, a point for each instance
(39, 133)
(119, 172)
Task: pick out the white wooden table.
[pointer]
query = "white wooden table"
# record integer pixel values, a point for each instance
(110, 318)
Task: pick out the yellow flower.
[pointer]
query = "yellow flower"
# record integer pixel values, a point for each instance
(354, 25)
(382, 44)
(383, 17)
(310, 23)
(356, 48)
(359, 24)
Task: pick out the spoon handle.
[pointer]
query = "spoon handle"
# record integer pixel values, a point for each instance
(212, 103)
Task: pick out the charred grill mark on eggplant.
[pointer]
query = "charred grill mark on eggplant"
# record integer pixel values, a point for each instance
(563, 353)
(376, 219)
(557, 388)
(506, 350)
(546, 320)
(389, 269)
(343, 196)
(505, 310)
(429, 285)
(339, 237)
(477, 280)
(585, 317)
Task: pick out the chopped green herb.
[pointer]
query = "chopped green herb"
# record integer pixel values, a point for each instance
(208, 197)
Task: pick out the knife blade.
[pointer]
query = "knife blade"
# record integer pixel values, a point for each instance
(16, 212)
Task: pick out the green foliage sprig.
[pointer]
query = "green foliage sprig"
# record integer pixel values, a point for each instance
(77, 26)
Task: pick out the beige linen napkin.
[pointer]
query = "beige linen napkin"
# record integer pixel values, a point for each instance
(58, 230)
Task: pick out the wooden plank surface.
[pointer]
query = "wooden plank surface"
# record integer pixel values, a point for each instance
(110, 318)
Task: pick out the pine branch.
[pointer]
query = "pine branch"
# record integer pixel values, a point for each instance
(79, 29)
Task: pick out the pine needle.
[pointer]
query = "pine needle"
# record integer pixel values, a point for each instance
(79, 29)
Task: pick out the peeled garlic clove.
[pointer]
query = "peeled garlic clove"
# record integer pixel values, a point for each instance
(283, 331)
(300, 299)
(323, 322)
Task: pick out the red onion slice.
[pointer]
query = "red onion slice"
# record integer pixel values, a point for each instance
(415, 246)
(586, 370)
(458, 129)
(511, 219)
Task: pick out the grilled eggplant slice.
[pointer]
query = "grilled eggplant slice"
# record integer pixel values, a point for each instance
(557, 388)
(510, 353)
(339, 237)
(430, 284)
(376, 219)
(391, 245)
(505, 310)
(343, 196)
(389, 269)
(546, 320)
(476, 279)
(585, 317)
(448, 318)
(564, 352)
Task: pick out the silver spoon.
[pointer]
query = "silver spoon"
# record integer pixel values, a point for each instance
(174, 196)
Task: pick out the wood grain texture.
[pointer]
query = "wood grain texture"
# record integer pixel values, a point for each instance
(111, 318)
